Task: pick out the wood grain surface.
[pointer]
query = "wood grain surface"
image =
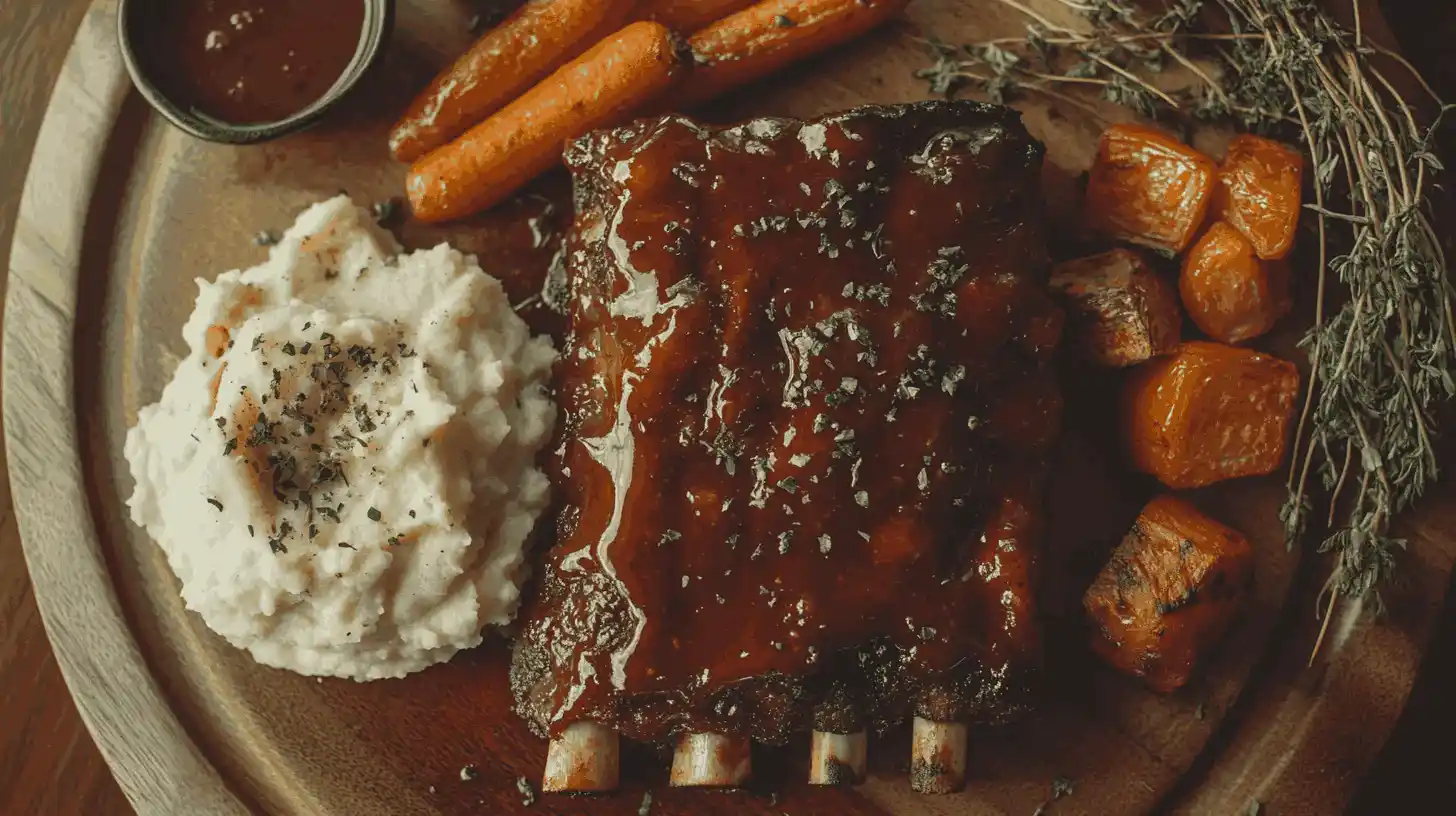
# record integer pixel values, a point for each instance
(49, 765)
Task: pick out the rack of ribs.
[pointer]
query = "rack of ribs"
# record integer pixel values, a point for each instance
(809, 403)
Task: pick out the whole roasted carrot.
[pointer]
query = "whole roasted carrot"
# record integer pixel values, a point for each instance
(688, 15)
(767, 36)
(522, 140)
(508, 59)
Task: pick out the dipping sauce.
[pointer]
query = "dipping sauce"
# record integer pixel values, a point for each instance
(247, 61)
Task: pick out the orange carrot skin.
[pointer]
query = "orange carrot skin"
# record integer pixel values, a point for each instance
(1148, 188)
(500, 66)
(523, 140)
(689, 15)
(1230, 294)
(766, 37)
(1169, 594)
(1208, 412)
(1259, 193)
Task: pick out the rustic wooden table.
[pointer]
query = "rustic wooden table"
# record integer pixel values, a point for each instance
(48, 763)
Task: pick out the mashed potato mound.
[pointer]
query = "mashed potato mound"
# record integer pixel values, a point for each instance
(342, 471)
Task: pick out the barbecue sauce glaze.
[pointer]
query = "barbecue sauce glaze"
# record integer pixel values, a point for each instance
(808, 398)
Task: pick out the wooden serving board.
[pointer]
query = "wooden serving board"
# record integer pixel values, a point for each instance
(121, 212)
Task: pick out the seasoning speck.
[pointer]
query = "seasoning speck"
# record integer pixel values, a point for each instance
(215, 503)
(265, 238)
(468, 773)
(527, 791)
(374, 514)
(385, 210)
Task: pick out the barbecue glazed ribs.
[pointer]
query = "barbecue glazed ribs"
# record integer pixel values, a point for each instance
(809, 399)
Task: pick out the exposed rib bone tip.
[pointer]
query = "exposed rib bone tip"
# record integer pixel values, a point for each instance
(937, 757)
(711, 761)
(837, 759)
(582, 759)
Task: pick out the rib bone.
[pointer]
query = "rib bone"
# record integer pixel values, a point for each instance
(837, 759)
(937, 757)
(582, 759)
(711, 761)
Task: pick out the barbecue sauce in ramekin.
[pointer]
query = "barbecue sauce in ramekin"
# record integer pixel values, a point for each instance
(248, 61)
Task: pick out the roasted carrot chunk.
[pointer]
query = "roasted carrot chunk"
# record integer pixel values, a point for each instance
(1259, 193)
(1120, 312)
(1230, 293)
(1169, 593)
(1208, 412)
(1148, 188)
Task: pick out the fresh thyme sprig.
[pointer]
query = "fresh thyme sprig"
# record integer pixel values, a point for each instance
(1382, 355)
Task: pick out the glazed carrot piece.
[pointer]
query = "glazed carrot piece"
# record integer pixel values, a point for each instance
(689, 15)
(1148, 188)
(498, 156)
(765, 37)
(1259, 193)
(1169, 593)
(500, 66)
(1208, 412)
(1120, 311)
(1229, 293)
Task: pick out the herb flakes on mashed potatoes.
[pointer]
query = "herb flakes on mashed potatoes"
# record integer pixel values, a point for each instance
(342, 471)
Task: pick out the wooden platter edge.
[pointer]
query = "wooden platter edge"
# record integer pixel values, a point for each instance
(155, 761)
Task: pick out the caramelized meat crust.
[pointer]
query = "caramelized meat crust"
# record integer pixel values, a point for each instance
(809, 399)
